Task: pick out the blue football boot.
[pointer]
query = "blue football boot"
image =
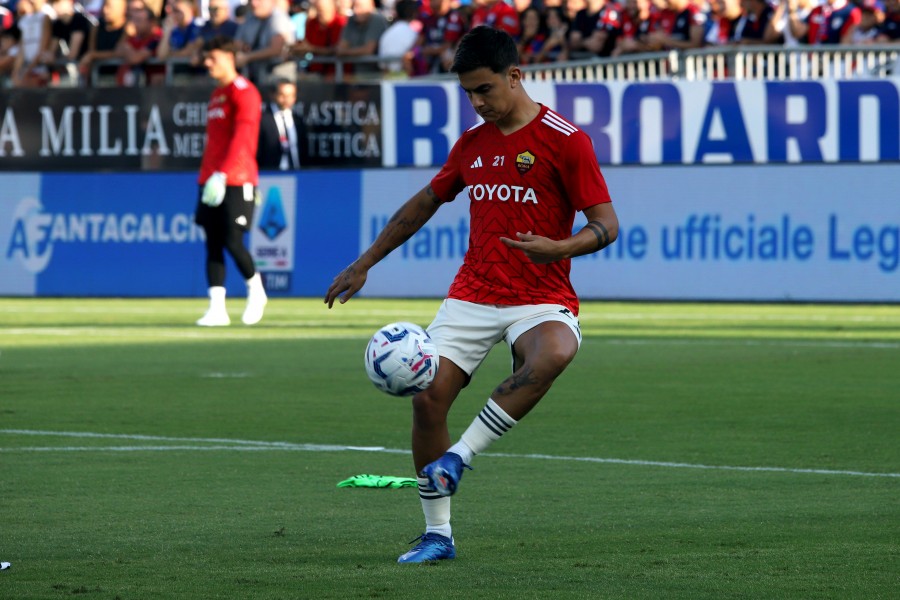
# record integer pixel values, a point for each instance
(431, 547)
(444, 473)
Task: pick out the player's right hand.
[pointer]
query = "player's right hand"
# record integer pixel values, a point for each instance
(214, 189)
(346, 284)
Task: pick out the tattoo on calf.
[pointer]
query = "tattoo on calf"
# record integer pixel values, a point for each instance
(517, 381)
(599, 230)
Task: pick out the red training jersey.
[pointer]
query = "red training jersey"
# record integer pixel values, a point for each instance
(232, 133)
(531, 180)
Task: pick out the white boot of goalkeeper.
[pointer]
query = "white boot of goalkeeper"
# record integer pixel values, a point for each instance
(216, 315)
(256, 301)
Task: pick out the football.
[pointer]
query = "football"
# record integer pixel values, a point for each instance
(401, 359)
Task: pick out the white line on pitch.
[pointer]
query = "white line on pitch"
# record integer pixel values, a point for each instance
(807, 343)
(252, 445)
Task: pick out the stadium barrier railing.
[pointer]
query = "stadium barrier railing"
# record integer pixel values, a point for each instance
(704, 64)
(738, 63)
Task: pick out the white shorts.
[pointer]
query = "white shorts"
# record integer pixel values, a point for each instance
(465, 332)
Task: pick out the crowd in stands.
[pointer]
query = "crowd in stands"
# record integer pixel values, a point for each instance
(42, 40)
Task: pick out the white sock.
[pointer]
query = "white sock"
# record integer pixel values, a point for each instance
(490, 424)
(463, 450)
(217, 298)
(436, 509)
(254, 284)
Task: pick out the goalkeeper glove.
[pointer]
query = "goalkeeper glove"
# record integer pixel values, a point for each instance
(214, 189)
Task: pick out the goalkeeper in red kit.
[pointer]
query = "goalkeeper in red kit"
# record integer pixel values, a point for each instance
(228, 179)
(524, 172)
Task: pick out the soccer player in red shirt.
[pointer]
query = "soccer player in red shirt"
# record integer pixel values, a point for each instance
(228, 179)
(524, 171)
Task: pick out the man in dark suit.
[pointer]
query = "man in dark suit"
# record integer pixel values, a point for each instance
(281, 130)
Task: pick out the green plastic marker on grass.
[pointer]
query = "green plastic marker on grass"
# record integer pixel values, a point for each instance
(378, 481)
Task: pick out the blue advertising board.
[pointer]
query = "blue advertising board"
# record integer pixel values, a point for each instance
(132, 234)
(672, 122)
(729, 232)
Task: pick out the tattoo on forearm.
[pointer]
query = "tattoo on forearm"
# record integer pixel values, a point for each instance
(401, 227)
(516, 381)
(599, 230)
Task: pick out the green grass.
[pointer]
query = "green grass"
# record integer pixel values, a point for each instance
(809, 395)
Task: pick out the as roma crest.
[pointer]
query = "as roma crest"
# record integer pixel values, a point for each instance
(524, 162)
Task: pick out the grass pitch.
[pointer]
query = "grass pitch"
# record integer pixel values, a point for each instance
(690, 451)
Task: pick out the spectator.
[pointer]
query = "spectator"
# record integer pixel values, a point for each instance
(70, 31)
(532, 37)
(240, 13)
(751, 29)
(266, 36)
(137, 47)
(831, 23)
(104, 38)
(870, 22)
(34, 25)
(9, 45)
(890, 29)
(323, 33)
(7, 19)
(682, 26)
(360, 36)
(69, 35)
(637, 22)
(573, 7)
(724, 16)
(299, 13)
(219, 24)
(522, 5)
(602, 40)
(180, 32)
(583, 25)
(788, 23)
(156, 8)
(497, 14)
(458, 24)
(434, 48)
(555, 48)
(400, 40)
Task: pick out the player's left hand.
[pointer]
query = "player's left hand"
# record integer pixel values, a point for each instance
(539, 249)
(214, 189)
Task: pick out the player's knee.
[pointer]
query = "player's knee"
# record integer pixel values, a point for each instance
(429, 409)
(235, 242)
(549, 363)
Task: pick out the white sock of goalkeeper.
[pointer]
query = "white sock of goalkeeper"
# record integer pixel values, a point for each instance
(436, 509)
(490, 424)
(217, 297)
(254, 284)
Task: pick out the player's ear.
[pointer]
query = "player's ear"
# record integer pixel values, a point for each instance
(514, 75)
